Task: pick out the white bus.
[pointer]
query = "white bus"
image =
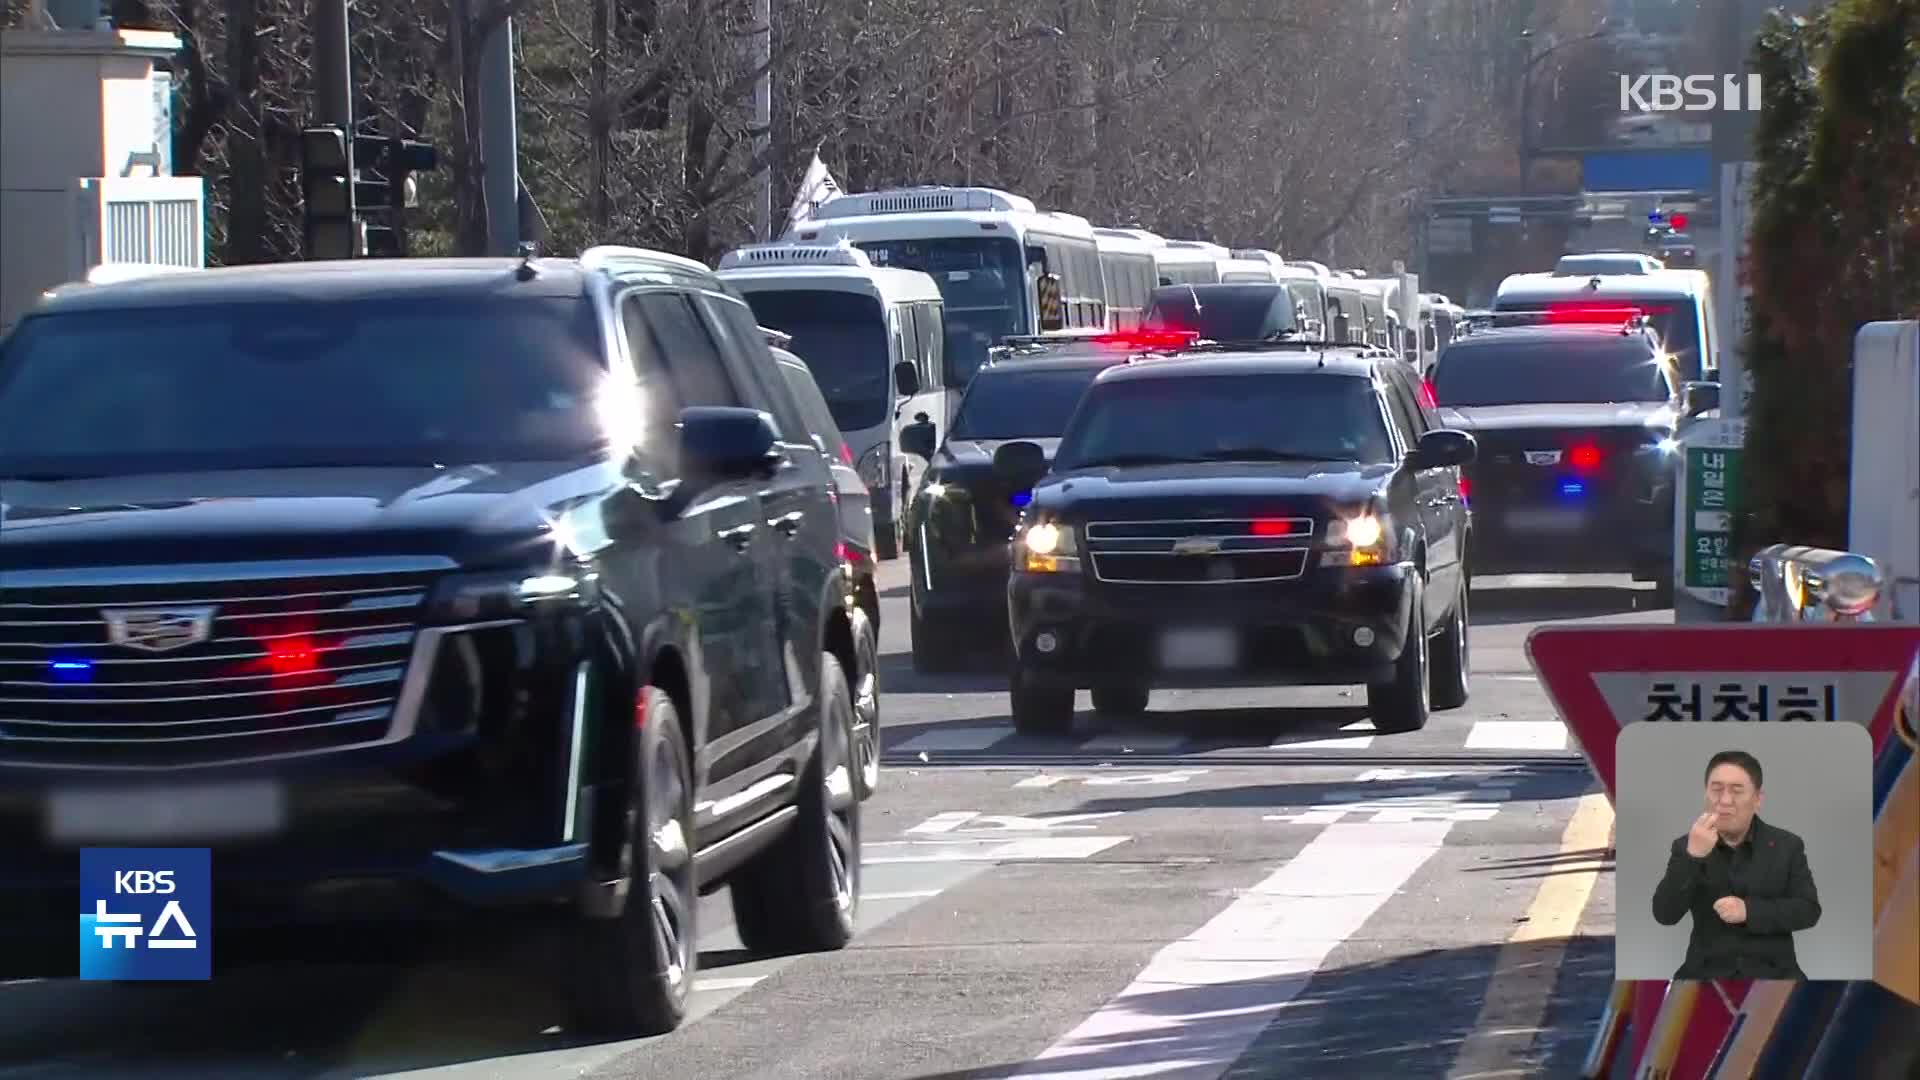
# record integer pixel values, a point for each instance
(1127, 261)
(1191, 262)
(873, 339)
(1005, 267)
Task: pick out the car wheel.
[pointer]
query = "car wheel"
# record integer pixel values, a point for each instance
(935, 651)
(802, 895)
(1121, 700)
(866, 704)
(1039, 710)
(1402, 705)
(1452, 660)
(632, 973)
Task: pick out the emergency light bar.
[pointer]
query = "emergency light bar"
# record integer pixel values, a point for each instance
(790, 254)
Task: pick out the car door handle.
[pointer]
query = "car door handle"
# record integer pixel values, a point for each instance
(739, 536)
(788, 523)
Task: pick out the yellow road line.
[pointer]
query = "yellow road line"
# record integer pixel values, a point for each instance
(1529, 963)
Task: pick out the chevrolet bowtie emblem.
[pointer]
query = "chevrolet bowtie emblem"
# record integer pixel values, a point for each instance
(1197, 545)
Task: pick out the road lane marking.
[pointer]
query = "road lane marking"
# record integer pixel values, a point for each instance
(1360, 740)
(943, 822)
(1517, 735)
(1202, 1000)
(913, 894)
(948, 740)
(1479, 803)
(984, 849)
(716, 984)
(1528, 965)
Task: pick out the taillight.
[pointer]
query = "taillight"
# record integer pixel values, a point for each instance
(1584, 458)
(846, 454)
(1466, 487)
(1427, 396)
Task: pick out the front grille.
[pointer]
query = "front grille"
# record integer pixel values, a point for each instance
(288, 665)
(1200, 552)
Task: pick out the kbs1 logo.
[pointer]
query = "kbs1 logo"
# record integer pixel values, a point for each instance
(146, 914)
(1694, 93)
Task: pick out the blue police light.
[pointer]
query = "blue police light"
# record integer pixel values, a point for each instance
(1573, 489)
(1020, 498)
(70, 671)
(1656, 217)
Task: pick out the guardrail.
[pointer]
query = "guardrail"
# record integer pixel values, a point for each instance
(1808, 584)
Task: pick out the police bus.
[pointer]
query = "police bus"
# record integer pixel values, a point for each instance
(1004, 266)
(873, 338)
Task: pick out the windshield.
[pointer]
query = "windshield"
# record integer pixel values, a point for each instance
(983, 284)
(1256, 417)
(1541, 372)
(843, 338)
(1223, 313)
(278, 385)
(1007, 403)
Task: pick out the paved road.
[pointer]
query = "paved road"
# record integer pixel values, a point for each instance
(1246, 884)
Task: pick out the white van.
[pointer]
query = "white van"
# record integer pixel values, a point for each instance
(873, 338)
(1679, 303)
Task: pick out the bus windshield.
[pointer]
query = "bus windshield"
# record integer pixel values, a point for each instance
(983, 285)
(842, 336)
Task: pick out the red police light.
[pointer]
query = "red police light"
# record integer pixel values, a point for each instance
(1275, 527)
(1427, 396)
(1679, 222)
(1584, 458)
(292, 656)
(1138, 340)
(1593, 314)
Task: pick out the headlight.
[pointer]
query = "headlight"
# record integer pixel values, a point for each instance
(1047, 548)
(482, 597)
(873, 468)
(1357, 541)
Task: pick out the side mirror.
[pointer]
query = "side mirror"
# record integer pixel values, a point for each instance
(724, 443)
(1699, 397)
(1020, 464)
(906, 378)
(1052, 316)
(919, 438)
(1444, 447)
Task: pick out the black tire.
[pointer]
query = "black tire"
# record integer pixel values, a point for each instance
(803, 894)
(886, 541)
(935, 651)
(1121, 700)
(631, 974)
(1450, 662)
(866, 704)
(1401, 706)
(1039, 710)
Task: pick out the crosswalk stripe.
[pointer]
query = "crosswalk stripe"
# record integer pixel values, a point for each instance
(1204, 999)
(1361, 738)
(1517, 735)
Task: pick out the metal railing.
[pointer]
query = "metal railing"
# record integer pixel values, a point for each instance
(1807, 584)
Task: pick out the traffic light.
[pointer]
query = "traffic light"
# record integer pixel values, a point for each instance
(329, 227)
(384, 183)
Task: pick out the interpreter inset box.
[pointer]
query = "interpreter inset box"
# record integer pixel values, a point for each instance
(1744, 851)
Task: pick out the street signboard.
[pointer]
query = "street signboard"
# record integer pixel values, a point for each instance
(1709, 485)
(1601, 679)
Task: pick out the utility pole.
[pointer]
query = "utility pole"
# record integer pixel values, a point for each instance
(500, 141)
(333, 86)
(763, 118)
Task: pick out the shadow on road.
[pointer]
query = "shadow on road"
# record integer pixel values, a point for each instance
(1350, 1021)
(1508, 605)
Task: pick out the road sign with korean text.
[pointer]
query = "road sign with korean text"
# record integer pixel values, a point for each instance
(1601, 679)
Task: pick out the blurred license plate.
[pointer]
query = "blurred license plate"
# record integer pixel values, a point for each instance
(1553, 520)
(1199, 649)
(163, 813)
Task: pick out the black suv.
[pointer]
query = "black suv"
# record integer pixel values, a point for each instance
(1576, 426)
(406, 583)
(960, 521)
(1255, 517)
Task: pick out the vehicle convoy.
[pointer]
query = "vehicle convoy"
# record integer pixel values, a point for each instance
(961, 520)
(1239, 515)
(874, 339)
(1576, 427)
(414, 586)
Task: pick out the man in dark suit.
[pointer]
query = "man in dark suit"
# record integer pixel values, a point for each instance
(1745, 881)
